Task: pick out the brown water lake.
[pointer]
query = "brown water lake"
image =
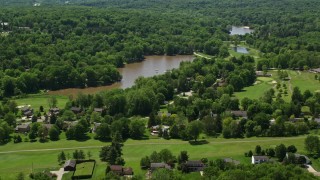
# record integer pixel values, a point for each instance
(151, 66)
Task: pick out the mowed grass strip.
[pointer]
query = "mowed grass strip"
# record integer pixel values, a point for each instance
(84, 168)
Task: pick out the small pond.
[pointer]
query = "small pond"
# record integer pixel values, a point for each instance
(242, 50)
(240, 30)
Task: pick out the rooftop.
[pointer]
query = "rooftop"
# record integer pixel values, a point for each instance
(71, 163)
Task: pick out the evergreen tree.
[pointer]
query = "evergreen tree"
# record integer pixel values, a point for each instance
(61, 157)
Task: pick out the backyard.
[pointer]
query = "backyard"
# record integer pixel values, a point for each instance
(84, 168)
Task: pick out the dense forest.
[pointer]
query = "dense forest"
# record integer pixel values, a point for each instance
(52, 47)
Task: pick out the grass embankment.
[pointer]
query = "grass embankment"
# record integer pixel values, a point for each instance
(37, 100)
(13, 163)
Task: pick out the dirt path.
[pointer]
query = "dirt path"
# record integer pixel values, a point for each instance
(155, 143)
(196, 54)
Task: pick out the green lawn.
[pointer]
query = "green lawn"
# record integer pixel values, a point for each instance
(13, 163)
(304, 80)
(37, 100)
(257, 90)
(84, 168)
(67, 176)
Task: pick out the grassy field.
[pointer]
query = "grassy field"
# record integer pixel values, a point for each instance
(37, 100)
(84, 168)
(44, 155)
(303, 80)
(257, 90)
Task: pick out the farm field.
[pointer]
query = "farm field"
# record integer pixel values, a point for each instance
(45, 154)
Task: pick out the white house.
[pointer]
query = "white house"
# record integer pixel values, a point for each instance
(259, 159)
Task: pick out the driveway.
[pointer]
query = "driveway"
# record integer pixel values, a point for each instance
(59, 173)
(313, 171)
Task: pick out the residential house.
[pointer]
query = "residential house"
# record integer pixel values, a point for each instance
(127, 172)
(95, 126)
(154, 166)
(294, 120)
(117, 169)
(27, 111)
(155, 129)
(194, 166)
(24, 28)
(76, 110)
(98, 110)
(262, 74)
(259, 159)
(54, 111)
(68, 124)
(213, 115)
(23, 128)
(164, 114)
(70, 165)
(231, 161)
(242, 114)
(121, 171)
(317, 70)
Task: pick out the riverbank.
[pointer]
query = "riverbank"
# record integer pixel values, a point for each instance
(151, 66)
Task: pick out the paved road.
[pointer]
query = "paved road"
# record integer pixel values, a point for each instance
(155, 143)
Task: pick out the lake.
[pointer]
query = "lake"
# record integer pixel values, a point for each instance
(151, 66)
(240, 49)
(241, 30)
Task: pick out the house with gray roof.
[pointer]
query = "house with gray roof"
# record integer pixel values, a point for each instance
(154, 166)
(70, 165)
